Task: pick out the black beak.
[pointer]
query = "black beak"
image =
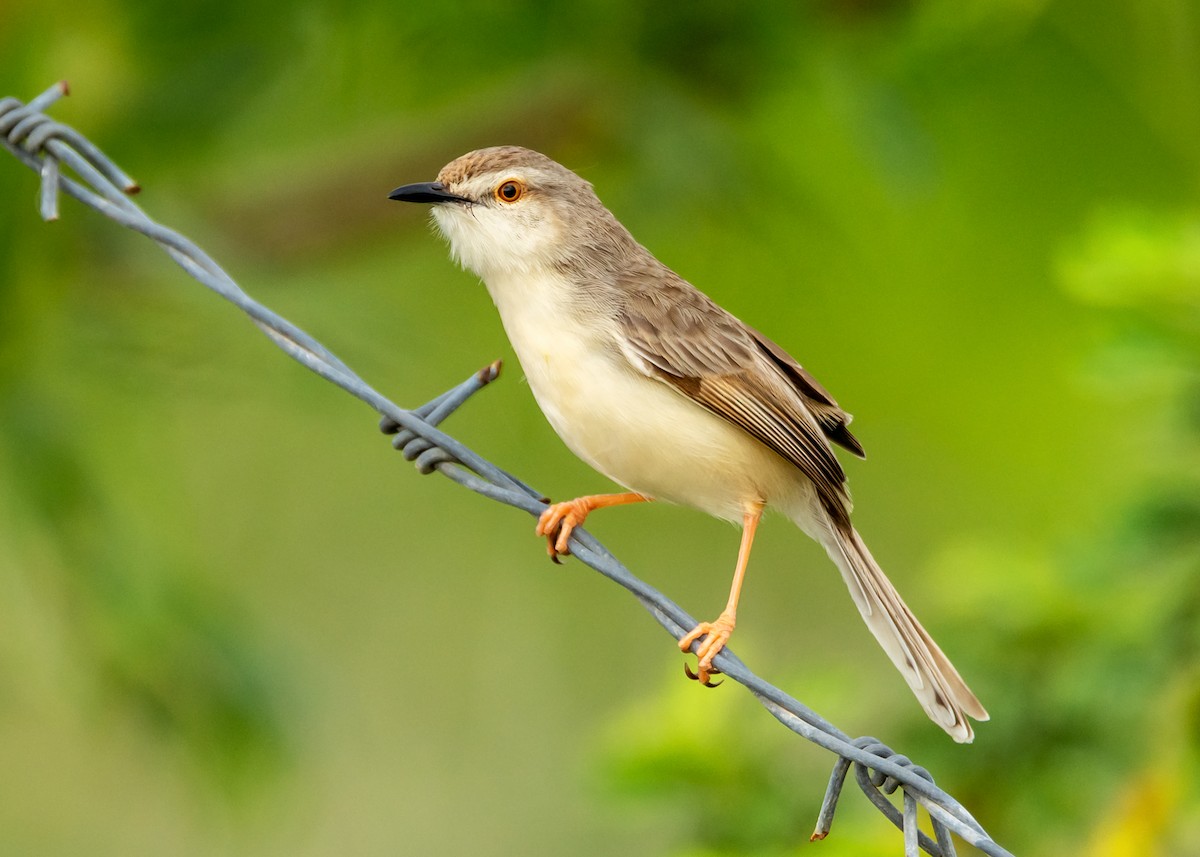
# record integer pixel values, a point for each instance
(425, 192)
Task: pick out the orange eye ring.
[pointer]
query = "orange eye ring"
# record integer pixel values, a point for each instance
(510, 190)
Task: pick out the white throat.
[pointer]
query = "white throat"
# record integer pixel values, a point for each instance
(492, 242)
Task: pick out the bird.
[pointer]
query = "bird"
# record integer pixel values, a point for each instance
(654, 385)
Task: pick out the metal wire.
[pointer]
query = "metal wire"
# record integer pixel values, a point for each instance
(46, 146)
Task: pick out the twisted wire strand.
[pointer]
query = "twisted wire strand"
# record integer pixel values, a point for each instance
(45, 146)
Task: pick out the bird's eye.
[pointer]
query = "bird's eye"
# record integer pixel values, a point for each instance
(510, 191)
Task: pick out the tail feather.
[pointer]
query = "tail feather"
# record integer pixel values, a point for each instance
(937, 685)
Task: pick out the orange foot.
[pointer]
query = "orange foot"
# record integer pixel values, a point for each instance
(716, 635)
(559, 519)
(557, 522)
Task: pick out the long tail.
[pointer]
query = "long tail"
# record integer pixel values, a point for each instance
(938, 686)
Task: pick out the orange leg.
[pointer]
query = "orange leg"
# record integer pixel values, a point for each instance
(717, 633)
(559, 519)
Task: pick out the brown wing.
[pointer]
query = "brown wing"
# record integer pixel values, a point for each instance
(832, 418)
(678, 335)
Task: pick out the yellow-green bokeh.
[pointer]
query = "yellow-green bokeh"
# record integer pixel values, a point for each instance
(233, 621)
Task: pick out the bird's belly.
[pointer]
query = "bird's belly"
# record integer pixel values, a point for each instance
(642, 433)
(656, 442)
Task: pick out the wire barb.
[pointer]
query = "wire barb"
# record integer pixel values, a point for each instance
(876, 784)
(45, 146)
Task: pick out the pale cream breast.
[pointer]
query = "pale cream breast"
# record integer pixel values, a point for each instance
(636, 430)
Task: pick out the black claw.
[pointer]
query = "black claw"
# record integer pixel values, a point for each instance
(708, 682)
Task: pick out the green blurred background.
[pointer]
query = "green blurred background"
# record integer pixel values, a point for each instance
(234, 622)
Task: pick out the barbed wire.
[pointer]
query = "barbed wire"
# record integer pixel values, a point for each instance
(46, 145)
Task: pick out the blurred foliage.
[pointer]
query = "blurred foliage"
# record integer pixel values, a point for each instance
(230, 623)
(157, 641)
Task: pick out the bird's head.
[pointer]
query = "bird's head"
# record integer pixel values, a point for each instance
(510, 210)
